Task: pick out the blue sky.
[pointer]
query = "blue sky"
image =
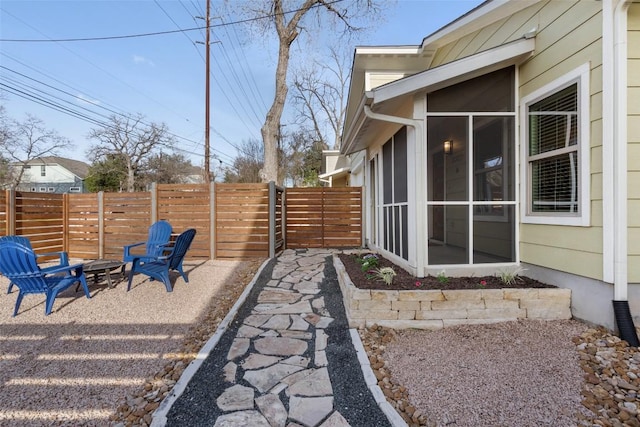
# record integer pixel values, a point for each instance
(162, 76)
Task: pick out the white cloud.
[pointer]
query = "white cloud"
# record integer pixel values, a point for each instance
(142, 60)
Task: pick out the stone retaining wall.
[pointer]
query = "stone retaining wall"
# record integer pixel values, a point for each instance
(435, 309)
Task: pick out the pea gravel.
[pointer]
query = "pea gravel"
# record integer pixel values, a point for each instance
(524, 373)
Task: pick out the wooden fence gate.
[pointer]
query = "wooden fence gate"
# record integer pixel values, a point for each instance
(324, 217)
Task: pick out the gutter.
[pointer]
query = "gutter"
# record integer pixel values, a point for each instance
(615, 247)
(620, 148)
(420, 172)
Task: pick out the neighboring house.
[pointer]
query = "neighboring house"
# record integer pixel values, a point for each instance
(335, 169)
(52, 174)
(508, 138)
(192, 175)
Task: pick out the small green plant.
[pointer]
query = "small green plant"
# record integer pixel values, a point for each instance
(368, 262)
(385, 274)
(482, 284)
(442, 277)
(510, 278)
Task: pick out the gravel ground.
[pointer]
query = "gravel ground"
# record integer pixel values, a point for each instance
(78, 365)
(523, 373)
(111, 359)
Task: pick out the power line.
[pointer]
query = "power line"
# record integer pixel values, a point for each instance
(155, 33)
(40, 98)
(49, 104)
(116, 78)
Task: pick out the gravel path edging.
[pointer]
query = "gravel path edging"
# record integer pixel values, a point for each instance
(160, 414)
(372, 382)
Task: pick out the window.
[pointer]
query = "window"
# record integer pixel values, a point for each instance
(74, 189)
(43, 170)
(42, 189)
(556, 152)
(51, 189)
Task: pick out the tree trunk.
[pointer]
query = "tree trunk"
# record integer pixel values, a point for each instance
(271, 128)
(130, 178)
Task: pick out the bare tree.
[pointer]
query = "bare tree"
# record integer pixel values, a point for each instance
(5, 171)
(302, 158)
(166, 168)
(30, 139)
(131, 138)
(320, 97)
(287, 18)
(246, 166)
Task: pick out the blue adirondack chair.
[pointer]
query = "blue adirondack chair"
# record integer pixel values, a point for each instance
(160, 268)
(158, 239)
(62, 256)
(19, 264)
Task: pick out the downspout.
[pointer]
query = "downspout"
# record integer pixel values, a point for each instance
(418, 127)
(622, 313)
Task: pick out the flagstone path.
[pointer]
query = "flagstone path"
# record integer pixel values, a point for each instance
(287, 359)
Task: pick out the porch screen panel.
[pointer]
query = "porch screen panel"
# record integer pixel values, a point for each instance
(404, 215)
(394, 195)
(447, 172)
(387, 164)
(493, 165)
(470, 160)
(494, 241)
(493, 92)
(455, 251)
(397, 245)
(400, 166)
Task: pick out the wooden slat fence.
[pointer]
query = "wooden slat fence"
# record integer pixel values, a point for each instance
(323, 217)
(83, 225)
(248, 220)
(40, 217)
(4, 208)
(279, 221)
(188, 207)
(127, 217)
(241, 220)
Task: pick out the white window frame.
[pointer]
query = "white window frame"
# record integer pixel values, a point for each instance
(74, 189)
(580, 76)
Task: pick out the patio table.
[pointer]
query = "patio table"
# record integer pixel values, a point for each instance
(104, 266)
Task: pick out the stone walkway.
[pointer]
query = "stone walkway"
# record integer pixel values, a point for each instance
(286, 360)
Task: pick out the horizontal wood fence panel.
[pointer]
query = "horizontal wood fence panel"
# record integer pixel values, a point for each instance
(323, 217)
(242, 220)
(83, 226)
(4, 209)
(127, 217)
(188, 206)
(40, 218)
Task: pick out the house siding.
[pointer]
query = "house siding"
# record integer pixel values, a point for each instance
(633, 138)
(378, 79)
(577, 29)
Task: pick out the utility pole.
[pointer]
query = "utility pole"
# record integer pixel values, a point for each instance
(207, 168)
(207, 113)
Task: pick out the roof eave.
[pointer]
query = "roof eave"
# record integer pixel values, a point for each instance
(482, 15)
(462, 69)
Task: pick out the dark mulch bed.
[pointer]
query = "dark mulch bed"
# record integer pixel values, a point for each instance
(405, 281)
